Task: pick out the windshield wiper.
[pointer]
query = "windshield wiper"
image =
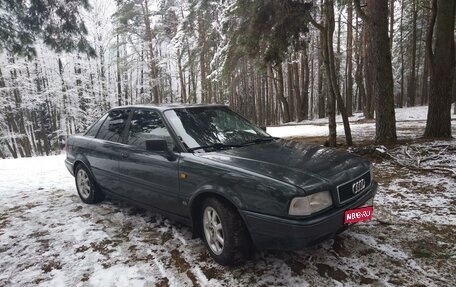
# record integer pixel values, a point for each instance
(215, 146)
(260, 140)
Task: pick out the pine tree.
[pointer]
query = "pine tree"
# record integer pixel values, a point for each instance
(379, 64)
(442, 60)
(57, 23)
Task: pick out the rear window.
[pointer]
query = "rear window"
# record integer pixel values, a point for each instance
(92, 131)
(114, 125)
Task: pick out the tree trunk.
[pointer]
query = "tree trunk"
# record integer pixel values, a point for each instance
(297, 85)
(391, 23)
(379, 63)
(400, 101)
(425, 80)
(119, 78)
(104, 91)
(312, 81)
(338, 57)
(202, 58)
(420, 58)
(411, 90)
(153, 68)
(305, 79)
(454, 92)
(349, 63)
(332, 73)
(291, 104)
(280, 93)
(326, 34)
(183, 90)
(438, 123)
(321, 82)
(359, 66)
(368, 108)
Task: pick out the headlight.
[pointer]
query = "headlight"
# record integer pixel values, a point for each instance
(310, 204)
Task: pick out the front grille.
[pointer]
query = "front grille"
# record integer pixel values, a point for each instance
(345, 190)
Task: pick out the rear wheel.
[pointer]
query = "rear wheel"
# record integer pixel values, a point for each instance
(224, 233)
(87, 189)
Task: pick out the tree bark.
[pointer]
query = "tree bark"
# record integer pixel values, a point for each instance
(291, 104)
(411, 90)
(280, 93)
(391, 23)
(359, 68)
(312, 80)
(438, 123)
(327, 32)
(183, 90)
(152, 65)
(202, 58)
(305, 80)
(400, 101)
(349, 63)
(333, 71)
(379, 62)
(321, 81)
(427, 60)
(119, 78)
(297, 85)
(369, 107)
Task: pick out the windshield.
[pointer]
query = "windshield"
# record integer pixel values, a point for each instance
(212, 127)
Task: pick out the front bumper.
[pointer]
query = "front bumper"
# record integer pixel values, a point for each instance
(270, 232)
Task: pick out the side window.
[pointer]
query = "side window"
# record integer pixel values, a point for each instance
(147, 125)
(92, 132)
(113, 126)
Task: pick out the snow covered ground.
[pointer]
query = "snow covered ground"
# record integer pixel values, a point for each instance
(409, 121)
(48, 237)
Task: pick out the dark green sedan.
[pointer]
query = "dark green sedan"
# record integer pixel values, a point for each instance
(234, 184)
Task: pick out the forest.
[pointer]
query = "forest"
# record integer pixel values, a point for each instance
(64, 63)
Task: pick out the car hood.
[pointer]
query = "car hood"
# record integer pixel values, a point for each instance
(304, 165)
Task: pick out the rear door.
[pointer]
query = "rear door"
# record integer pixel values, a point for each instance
(107, 150)
(149, 177)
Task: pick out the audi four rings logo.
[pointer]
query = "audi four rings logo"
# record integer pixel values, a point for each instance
(358, 186)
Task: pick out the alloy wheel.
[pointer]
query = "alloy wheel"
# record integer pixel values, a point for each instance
(83, 182)
(213, 230)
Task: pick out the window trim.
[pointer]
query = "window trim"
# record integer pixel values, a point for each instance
(177, 144)
(105, 116)
(127, 123)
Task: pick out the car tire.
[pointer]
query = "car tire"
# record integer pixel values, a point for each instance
(220, 220)
(88, 190)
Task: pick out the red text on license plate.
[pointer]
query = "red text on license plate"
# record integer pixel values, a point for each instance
(358, 214)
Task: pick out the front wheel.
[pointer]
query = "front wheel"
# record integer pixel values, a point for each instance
(224, 232)
(87, 189)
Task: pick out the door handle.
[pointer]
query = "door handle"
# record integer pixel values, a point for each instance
(124, 154)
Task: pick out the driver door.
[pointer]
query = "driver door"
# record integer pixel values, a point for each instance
(149, 178)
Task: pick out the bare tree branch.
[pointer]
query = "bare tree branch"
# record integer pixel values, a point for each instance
(316, 24)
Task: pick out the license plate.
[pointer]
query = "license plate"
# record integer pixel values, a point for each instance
(358, 214)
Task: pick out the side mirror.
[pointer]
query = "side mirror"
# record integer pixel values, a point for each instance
(160, 145)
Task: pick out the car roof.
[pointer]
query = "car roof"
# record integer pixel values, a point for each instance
(164, 107)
